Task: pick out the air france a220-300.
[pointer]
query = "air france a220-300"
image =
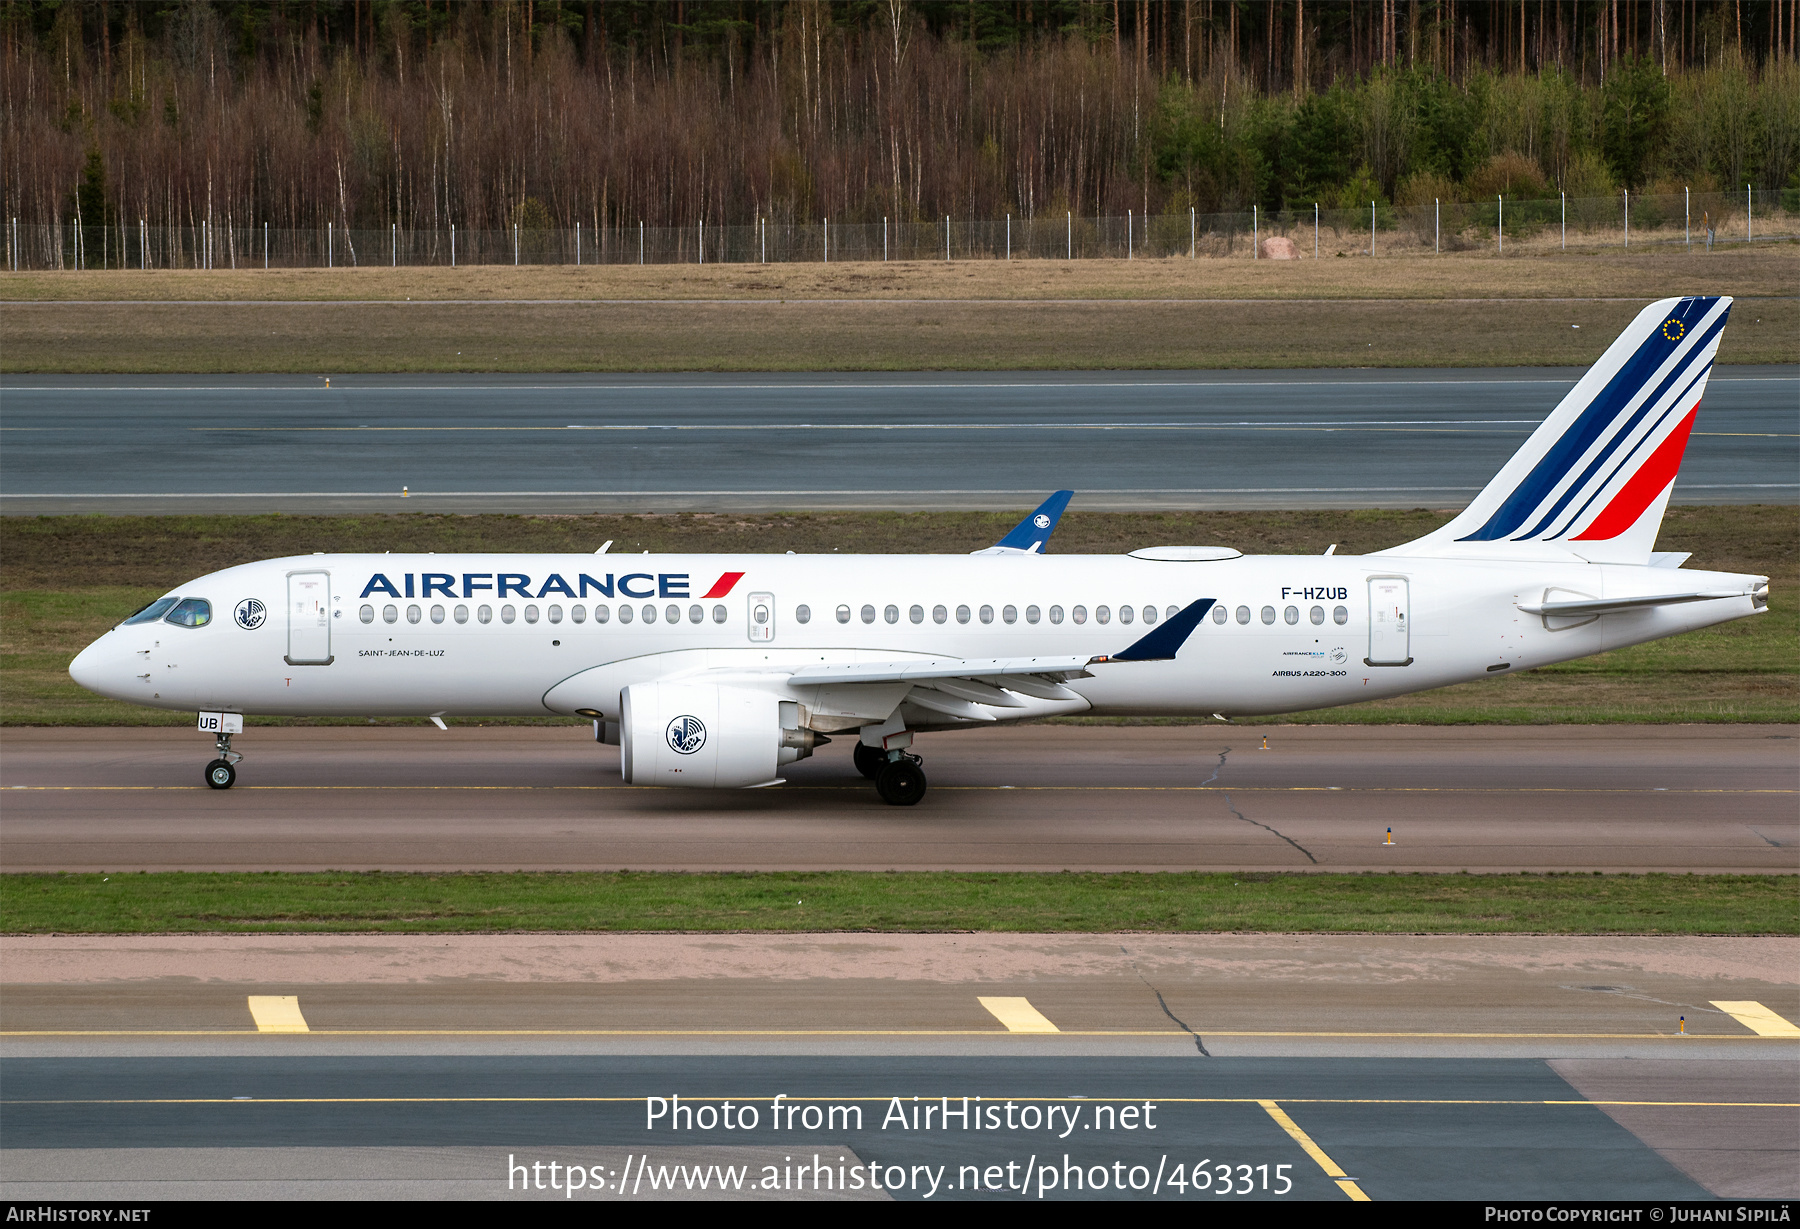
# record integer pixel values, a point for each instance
(714, 672)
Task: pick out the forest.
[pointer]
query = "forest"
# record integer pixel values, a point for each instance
(542, 114)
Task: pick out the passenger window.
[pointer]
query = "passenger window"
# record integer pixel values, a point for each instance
(916, 614)
(1317, 615)
(673, 614)
(531, 614)
(555, 614)
(1079, 614)
(1171, 612)
(1126, 614)
(1149, 614)
(868, 614)
(940, 614)
(578, 614)
(625, 614)
(1103, 614)
(190, 612)
(366, 614)
(891, 614)
(1340, 615)
(460, 614)
(1009, 614)
(1268, 614)
(1031, 614)
(719, 615)
(802, 614)
(1243, 614)
(843, 614)
(160, 607)
(649, 613)
(696, 614)
(437, 614)
(962, 614)
(1056, 613)
(1219, 615)
(390, 614)
(484, 614)
(414, 614)
(987, 614)
(507, 613)
(602, 613)
(1292, 615)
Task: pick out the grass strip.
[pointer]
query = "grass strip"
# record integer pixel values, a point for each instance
(276, 902)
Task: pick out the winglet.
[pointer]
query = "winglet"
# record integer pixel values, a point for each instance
(1029, 535)
(1166, 641)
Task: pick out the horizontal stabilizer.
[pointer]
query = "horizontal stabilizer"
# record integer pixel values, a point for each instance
(1166, 641)
(1602, 605)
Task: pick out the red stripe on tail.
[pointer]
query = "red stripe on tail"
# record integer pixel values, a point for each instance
(724, 585)
(1652, 477)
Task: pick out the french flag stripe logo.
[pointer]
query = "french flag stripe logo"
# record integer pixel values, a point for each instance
(1598, 458)
(722, 586)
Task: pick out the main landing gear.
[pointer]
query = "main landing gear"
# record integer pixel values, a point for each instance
(897, 775)
(222, 772)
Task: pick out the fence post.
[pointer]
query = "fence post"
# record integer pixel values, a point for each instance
(1069, 221)
(1500, 226)
(329, 255)
(515, 244)
(1565, 221)
(762, 226)
(1255, 234)
(884, 254)
(1009, 236)
(393, 245)
(702, 237)
(1437, 226)
(1371, 229)
(1749, 232)
(453, 245)
(1315, 230)
(1128, 234)
(640, 241)
(1687, 219)
(578, 245)
(1627, 217)
(946, 237)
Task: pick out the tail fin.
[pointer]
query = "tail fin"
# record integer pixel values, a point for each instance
(1030, 535)
(1594, 478)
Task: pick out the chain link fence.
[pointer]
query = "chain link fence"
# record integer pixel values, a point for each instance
(1503, 226)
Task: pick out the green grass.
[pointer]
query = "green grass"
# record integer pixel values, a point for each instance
(65, 579)
(913, 902)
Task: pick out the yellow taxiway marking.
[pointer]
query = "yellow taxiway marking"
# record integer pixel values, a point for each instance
(277, 1013)
(879, 1032)
(1018, 1015)
(1332, 1169)
(1130, 789)
(1758, 1019)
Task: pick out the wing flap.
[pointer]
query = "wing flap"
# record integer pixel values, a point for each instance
(941, 668)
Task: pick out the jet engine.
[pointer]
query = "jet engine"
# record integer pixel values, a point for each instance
(708, 737)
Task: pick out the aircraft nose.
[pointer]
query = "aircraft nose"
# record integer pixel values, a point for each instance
(89, 668)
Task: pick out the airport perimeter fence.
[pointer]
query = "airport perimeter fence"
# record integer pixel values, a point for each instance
(1503, 226)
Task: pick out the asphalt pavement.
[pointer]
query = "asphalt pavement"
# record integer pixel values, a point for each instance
(1124, 440)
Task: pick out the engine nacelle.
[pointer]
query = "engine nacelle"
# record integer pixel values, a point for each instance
(707, 737)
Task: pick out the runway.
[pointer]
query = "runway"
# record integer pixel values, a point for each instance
(1046, 798)
(1386, 1067)
(1126, 440)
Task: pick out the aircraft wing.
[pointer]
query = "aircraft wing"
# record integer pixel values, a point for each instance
(1029, 535)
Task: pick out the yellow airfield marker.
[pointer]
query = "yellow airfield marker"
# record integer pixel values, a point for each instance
(1332, 1169)
(1018, 1015)
(1759, 1019)
(277, 1013)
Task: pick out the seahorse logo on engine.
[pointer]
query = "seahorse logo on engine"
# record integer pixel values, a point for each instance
(686, 735)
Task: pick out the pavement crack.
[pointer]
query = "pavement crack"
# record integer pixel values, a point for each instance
(1232, 807)
(1767, 838)
(1199, 1044)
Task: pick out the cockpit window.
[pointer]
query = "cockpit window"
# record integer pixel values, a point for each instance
(151, 613)
(191, 612)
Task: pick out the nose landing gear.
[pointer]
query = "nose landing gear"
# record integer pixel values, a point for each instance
(222, 772)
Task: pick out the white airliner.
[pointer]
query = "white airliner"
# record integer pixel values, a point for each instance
(714, 671)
